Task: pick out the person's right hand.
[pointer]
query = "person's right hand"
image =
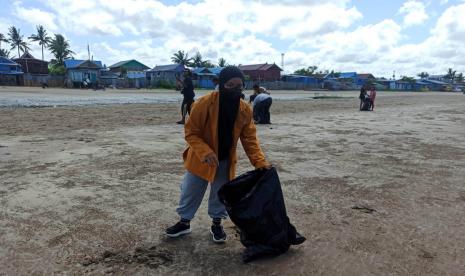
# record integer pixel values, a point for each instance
(211, 160)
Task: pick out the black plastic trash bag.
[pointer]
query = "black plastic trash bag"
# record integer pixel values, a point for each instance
(255, 204)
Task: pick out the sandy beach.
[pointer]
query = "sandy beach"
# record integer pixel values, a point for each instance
(89, 188)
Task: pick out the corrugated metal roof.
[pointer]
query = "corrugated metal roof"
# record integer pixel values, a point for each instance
(251, 67)
(74, 63)
(121, 63)
(11, 73)
(216, 70)
(365, 76)
(268, 66)
(345, 75)
(437, 82)
(5, 61)
(199, 70)
(169, 67)
(255, 67)
(299, 76)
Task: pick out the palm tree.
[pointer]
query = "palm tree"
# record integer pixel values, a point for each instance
(41, 37)
(16, 40)
(450, 75)
(207, 64)
(197, 60)
(4, 53)
(181, 57)
(2, 39)
(60, 49)
(459, 78)
(423, 75)
(222, 62)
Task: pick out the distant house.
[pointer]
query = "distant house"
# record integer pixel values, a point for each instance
(362, 79)
(216, 70)
(79, 70)
(35, 70)
(128, 66)
(442, 78)
(108, 78)
(262, 72)
(404, 85)
(203, 77)
(10, 72)
(166, 73)
(306, 80)
(31, 65)
(436, 85)
(133, 71)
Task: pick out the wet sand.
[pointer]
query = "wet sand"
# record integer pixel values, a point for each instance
(91, 189)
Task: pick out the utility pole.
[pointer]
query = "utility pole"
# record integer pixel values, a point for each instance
(282, 61)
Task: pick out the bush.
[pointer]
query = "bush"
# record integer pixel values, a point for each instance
(166, 84)
(57, 70)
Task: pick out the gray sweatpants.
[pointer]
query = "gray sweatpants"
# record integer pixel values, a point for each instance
(193, 189)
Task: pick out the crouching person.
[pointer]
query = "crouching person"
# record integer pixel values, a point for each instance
(218, 120)
(261, 108)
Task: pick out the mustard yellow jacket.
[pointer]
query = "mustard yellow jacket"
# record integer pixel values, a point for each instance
(201, 134)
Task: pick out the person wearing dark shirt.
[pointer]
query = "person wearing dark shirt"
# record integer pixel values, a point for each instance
(188, 96)
(363, 95)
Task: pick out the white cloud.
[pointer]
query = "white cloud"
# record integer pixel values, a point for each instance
(326, 33)
(35, 16)
(414, 13)
(4, 25)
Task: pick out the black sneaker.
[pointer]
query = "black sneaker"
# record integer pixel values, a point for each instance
(179, 229)
(218, 234)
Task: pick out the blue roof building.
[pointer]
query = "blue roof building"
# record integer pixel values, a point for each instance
(169, 74)
(78, 71)
(9, 67)
(10, 72)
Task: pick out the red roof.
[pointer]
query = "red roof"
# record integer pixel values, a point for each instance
(260, 67)
(366, 76)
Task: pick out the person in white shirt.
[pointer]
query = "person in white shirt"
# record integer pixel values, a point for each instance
(216, 83)
(261, 108)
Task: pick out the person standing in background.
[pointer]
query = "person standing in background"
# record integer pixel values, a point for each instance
(372, 97)
(188, 96)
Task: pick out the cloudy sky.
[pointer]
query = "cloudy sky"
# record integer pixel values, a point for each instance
(377, 36)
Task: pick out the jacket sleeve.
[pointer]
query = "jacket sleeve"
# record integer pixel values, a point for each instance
(251, 143)
(194, 128)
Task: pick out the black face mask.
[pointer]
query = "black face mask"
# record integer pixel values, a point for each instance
(233, 92)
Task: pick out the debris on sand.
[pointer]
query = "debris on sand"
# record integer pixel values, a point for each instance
(151, 257)
(364, 209)
(427, 255)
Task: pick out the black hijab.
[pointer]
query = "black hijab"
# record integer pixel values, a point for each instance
(228, 108)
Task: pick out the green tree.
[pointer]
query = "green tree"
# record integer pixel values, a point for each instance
(57, 69)
(408, 79)
(2, 39)
(309, 71)
(423, 75)
(459, 78)
(41, 37)
(181, 57)
(197, 60)
(207, 64)
(60, 49)
(222, 62)
(16, 40)
(450, 74)
(4, 53)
